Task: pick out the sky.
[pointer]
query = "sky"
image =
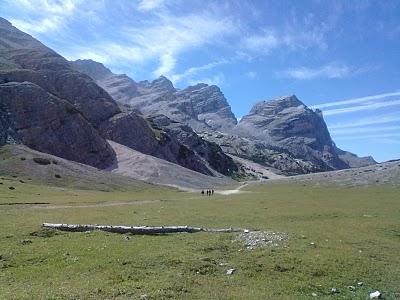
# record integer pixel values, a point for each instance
(342, 57)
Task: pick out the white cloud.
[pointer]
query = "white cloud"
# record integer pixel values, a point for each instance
(351, 131)
(217, 79)
(332, 70)
(382, 119)
(43, 15)
(368, 106)
(162, 39)
(251, 74)
(147, 5)
(368, 136)
(288, 39)
(387, 141)
(167, 64)
(357, 100)
(39, 26)
(261, 43)
(189, 73)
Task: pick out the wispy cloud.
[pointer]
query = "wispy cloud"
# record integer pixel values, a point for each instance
(217, 79)
(368, 136)
(362, 122)
(357, 100)
(147, 5)
(162, 39)
(331, 71)
(251, 74)
(368, 106)
(191, 72)
(44, 15)
(352, 131)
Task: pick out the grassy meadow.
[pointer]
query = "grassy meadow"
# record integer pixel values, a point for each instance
(337, 237)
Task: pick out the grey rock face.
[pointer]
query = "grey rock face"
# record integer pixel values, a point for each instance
(146, 136)
(31, 116)
(353, 160)
(130, 130)
(288, 124)
(209, 105)
(209, 152)
(32, 61)
(203, 107)
(263, 153)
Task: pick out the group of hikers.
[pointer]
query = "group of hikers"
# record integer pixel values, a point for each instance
(209, 192)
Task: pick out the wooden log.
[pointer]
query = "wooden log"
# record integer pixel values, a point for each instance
(136, 229)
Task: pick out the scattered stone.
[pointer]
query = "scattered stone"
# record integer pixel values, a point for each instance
(254, 239)
(41, 161)
(352, 288)
(57, 176)
(360, 283)
(312, 244)
(334, 291)
(223, 264)
(11, 188)
(127, 238)
(314, 294)
(23, 158)
(375, 295)
(26, 242)
(230, 271)
(144, 297)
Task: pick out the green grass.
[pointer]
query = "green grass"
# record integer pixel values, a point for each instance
(356, 232)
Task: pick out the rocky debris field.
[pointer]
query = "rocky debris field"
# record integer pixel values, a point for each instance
(256, 239)
(385, 173)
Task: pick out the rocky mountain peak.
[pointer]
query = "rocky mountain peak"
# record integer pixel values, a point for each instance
(274, 106)
(93, 69)
(162, 84)
(4, 22)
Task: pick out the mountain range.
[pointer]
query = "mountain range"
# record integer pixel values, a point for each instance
(74, 109)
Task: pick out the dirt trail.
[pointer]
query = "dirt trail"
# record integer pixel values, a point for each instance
(104, 204)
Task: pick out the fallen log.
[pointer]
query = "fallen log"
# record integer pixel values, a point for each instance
(137, 229)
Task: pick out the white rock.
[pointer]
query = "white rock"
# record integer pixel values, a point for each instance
(314, 295)
(360, 283)
(375, 295)
(334, 291)
(230, 271)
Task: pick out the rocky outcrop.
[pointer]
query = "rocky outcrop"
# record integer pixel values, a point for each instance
(262, 153)
(133, 131)
(203, 107)
(209, 152)
(49, 106)
(288, 124)
(353, 160)
(25, 59)
(33, 117)
(282, 133)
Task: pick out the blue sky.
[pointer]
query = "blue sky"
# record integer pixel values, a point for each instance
(340, 56)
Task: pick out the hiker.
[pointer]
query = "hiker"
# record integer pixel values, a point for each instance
(212, 192)
(202, 192)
